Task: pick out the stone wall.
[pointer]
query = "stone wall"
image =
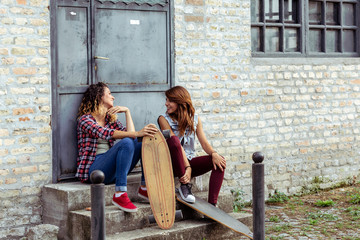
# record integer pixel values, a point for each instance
(25, 133)
(302, 113)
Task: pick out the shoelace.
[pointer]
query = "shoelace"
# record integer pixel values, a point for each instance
(186, 189)
(189, 188)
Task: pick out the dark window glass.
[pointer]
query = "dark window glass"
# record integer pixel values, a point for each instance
(255, 11)
(290, 11)
(348, 13)
(332, 13)
(255, 39)
(332, 41)
(291, 40)
(272, 10)
(314, 12)
(349, 41)
(315, 39)
(272, 40)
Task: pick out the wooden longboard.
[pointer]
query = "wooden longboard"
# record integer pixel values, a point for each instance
(217, 215)
(159, 179)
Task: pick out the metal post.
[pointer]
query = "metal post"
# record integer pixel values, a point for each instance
(97, 205)
(258, 196)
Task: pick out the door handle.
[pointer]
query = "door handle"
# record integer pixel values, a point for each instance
(102, 58)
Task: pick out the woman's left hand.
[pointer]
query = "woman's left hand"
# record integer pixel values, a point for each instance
(218, 161)
(117, 109)
(148, 130)
(187, 176)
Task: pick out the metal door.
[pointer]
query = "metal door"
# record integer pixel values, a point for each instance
(126, 44)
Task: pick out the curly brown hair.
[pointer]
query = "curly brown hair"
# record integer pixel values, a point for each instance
(185, 112)
(92, 99)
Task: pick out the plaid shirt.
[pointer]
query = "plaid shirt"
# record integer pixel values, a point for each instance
(88, 132)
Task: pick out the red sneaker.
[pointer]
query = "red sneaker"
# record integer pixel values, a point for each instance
(143, 194)
(123, 202)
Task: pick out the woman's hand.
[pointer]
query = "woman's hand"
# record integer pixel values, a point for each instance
(187, 176)
(218, 161)
(117, 109)
(148, 130)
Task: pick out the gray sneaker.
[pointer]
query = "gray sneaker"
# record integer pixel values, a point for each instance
(186, 194)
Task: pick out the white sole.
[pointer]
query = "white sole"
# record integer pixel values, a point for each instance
(183, 198)
(125, 209)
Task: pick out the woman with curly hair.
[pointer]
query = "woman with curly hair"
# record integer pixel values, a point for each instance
(97, 130)
(181, 119)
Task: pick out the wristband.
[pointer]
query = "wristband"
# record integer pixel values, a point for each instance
(187, 167)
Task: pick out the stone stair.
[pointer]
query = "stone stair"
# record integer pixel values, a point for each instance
(64, 205)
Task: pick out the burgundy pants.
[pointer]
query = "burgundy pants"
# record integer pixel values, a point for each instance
(199, 166)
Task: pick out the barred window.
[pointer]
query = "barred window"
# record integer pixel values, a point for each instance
(305, 28)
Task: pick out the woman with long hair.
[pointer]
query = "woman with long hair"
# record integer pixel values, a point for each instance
(184, 124)
(97, 130)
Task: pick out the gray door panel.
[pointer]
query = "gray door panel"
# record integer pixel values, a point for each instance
(145, 107)
(138, 53)
(72, 46)
(69, 104)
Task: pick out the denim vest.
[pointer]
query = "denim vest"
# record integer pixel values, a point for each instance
(188, 140)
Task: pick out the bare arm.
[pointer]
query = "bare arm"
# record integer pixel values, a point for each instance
(218, 160)
(148, 130)
(129, 122)
(164, 125)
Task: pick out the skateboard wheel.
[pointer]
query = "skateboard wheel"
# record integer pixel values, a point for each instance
(152, 219)
(178, 215)
(166, 133)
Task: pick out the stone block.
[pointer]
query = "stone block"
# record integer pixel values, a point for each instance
(43, 232)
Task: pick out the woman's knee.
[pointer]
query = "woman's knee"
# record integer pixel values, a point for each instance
(173, 142)
(126, 143)
(220, 173)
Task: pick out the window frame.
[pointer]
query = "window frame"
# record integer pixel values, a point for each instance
(304, 38)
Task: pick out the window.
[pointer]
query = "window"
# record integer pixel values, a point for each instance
(305, 28)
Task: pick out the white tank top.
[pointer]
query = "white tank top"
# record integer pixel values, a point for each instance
(102, 146)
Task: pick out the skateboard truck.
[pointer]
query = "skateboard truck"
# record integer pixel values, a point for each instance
(178, 217)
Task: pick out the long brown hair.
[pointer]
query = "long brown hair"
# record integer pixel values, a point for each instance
(185, 112)
(92, 99)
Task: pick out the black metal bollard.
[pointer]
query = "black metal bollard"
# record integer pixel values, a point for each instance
(258, 196)
(97, 205)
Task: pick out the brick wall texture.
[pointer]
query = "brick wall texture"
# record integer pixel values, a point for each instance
(25, 133)
(302, 114)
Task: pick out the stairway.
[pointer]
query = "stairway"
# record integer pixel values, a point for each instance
(64, 205)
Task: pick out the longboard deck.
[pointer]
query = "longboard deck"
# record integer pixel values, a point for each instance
(217, 215)
(159, 179)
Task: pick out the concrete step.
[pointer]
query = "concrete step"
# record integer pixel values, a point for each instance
(116, 221)
(187, 229)
(61, 198)
(64, 206)
(120, 221)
